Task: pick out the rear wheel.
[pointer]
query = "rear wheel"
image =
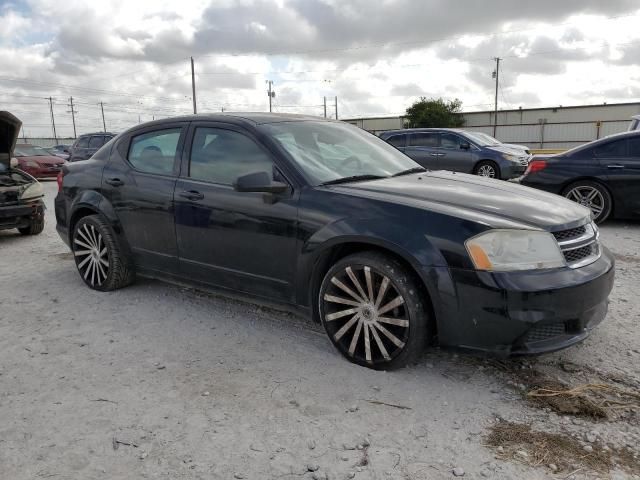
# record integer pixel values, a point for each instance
(373, 312)
(487, 168)
(36, 226)
(593, 196)
(100, 259)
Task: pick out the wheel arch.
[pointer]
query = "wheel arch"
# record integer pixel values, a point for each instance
(91, 202)
(475, 165)
(341, 248)
(597, 180)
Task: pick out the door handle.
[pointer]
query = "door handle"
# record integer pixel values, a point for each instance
(614, 167)
(192, 195)
(114, 182)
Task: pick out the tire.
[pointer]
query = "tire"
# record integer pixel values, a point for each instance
(36, 226)
(101, 261)
(350, 308)
(487, 168)
(592, 195)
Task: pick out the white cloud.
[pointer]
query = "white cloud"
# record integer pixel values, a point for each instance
(134, 56)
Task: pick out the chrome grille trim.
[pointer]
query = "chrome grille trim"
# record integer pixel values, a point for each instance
(579, 250)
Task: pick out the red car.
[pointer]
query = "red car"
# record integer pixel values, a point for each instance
(37, 162)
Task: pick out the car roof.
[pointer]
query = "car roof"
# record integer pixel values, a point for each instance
(418, 130)
(96, 133)
(254, 118)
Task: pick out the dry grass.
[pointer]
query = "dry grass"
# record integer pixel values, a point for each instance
(565, 452)
(592, 400)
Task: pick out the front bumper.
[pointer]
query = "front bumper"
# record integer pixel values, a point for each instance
(510, 170)
(20, 215)
(521, 313)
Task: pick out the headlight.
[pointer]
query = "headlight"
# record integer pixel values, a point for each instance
(32, 192)
(511, 158)
(508, 250)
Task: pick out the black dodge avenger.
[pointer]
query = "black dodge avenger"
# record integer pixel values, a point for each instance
(327, 218)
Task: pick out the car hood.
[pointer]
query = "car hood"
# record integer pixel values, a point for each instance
(495, 203)
(508, 149)
(9, 130)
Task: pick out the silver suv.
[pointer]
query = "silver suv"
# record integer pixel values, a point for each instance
(459, 151)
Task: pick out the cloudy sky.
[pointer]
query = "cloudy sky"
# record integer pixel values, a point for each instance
(377, 57)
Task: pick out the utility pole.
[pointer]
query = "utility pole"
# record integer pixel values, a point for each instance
(104, 125)
(325, 107)
(336, 102)
(193, 86)
(496, 75)
(73, 116)
(53, 120)
(270, 93)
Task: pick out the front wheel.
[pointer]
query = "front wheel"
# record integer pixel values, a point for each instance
(100, 259)
(35, 227)
(373, 312)
(593, 196)
(487, 168)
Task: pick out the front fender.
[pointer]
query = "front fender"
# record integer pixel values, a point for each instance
(411, 245)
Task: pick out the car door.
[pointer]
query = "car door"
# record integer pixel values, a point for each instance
(244, 241)
(422, 147)
(623, 175)
(138, 181)
(455, 153)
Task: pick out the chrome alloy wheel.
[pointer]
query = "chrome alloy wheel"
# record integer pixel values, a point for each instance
(365, 315)
(487, 171)
(589, 197)
(91, 254)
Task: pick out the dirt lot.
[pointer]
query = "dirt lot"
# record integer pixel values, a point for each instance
(157, 381)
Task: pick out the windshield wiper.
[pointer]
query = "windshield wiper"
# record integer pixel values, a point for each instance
(353, 178)
(410, 171)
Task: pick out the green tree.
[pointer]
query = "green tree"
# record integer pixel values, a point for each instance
(436, 113)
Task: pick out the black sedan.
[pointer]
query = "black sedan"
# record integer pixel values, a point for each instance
(603, 175)
(330, 219)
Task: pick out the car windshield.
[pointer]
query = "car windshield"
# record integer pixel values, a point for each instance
(30, 151)
(330, 151)
(483, 139)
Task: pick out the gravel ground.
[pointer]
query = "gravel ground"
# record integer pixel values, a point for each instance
(158, 381)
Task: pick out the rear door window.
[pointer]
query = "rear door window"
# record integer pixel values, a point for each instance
(617, 148)
(398, 141)
(96, 141)
(83, 142)
(155, 152)
(424, 139)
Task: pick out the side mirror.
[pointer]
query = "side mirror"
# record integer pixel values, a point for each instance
(13, 163)
(259, 182)
(465, 146)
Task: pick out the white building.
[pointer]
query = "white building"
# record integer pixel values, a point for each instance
(553, 128)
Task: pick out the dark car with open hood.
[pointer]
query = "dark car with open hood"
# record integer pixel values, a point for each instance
(21, 204)
(329, 219)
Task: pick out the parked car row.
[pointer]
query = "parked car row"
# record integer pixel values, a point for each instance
(603, 175)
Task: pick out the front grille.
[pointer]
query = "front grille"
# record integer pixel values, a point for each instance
(579, 245)
(544, 332)
(577, 254)
(570, 234)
